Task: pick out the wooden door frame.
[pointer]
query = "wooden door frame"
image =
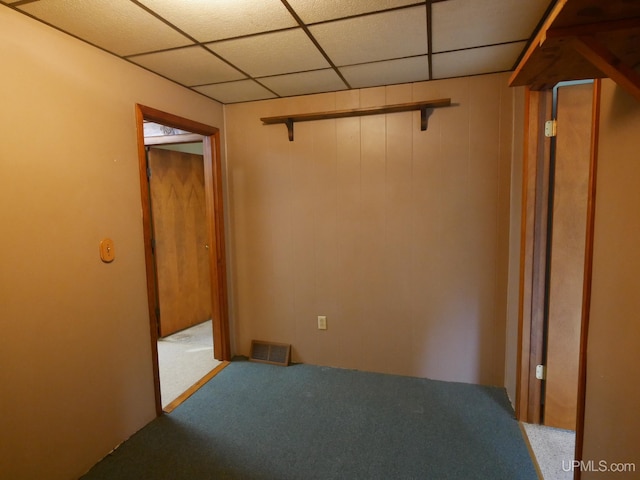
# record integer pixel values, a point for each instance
(533, 249)
(215, 232)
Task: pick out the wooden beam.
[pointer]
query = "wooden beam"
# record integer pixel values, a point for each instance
(536, 42)
(618, 71)
(551, 57)
(593, 28)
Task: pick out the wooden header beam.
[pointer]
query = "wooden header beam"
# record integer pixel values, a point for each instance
(625, 76)
(580, 40)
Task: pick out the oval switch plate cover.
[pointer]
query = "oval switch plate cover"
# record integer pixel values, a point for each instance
(107, 252)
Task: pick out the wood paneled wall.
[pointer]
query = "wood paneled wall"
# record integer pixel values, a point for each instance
(515, 226)
(612, 424)
(400, 237)
(75, 351)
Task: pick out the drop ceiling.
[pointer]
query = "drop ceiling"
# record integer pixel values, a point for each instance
(245, 50)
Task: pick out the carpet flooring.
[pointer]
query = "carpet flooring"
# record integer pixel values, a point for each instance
(554, 450)
(184, 358)
(257, 421)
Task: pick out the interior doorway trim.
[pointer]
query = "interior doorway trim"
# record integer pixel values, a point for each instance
(588, 275)
(532, 267)
(533, 250)
(215, 232)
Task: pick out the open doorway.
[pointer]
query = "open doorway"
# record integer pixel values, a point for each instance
(181, 192)
(175, 173)
(558, 212)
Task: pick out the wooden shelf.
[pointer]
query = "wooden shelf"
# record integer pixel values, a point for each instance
(289, 120)
(580, 40)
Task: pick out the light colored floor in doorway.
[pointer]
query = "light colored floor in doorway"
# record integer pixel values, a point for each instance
(184, 358)
(554, 450)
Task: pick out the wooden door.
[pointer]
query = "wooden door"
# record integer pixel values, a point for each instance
(570, 189)
(176, 187)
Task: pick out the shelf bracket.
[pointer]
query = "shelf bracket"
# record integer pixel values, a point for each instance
(289, 123)
(424, 115)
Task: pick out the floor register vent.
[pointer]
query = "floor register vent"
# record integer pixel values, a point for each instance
(270, 352)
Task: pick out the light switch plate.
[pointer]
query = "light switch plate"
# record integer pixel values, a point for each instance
(107, 250)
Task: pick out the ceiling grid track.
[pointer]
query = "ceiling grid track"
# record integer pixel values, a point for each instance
(195, 43)
(249, 50)
(315, 42)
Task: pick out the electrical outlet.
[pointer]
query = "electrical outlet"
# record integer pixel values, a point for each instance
(322, 322)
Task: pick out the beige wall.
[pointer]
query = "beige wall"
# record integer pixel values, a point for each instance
(75, 359)
(515, 219)
(612, 424)
(400, 237)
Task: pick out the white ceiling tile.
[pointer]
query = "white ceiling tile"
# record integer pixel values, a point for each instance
(390, 72)
(189, 66)
(115, 25)
(459, 24)
(314, 11)
(383, 36)
(305, 82)
(381, 42)
(232, 92)
(475, 61)
(209, 20)
(272, 53)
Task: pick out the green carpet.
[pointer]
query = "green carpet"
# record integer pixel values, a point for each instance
(257, 421)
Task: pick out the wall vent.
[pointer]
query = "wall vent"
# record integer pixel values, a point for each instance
(270, 352)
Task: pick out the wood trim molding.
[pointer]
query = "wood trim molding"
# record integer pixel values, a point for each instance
(524, 297)
(215, 216)
(535, 194)
(195, 387)
(171, 120)
(540, 249)
(214, 208)
(152, 293)
(588, 275)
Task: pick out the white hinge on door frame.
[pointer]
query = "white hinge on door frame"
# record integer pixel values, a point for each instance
(550, 128)
(541, 372)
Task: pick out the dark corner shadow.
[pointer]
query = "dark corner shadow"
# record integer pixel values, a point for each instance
(623, 106)
(500, 398)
